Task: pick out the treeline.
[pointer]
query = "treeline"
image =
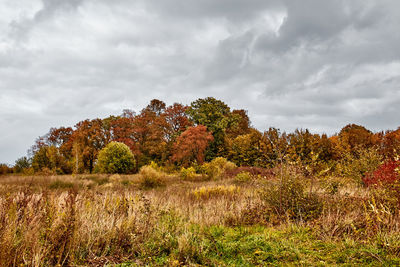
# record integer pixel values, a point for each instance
(180, 136)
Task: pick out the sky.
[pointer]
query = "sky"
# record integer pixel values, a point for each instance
(292, 64)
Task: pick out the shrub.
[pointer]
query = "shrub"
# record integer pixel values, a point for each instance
(387, 173)
(115, 158)
(386, 184)
(356, 165)
(217, 167)
(288, 199)
(242, 177)
(188, 173)
(151, 177)
(215, 191)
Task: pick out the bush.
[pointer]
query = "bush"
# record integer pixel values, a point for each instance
(385, 182)
(217, 168)
(288, 199)
(188, 173)
(150, 177)
(356, 165)
(242, 177)
(115, 158)
(387, 173)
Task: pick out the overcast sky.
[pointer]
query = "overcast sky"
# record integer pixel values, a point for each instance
(292, 64)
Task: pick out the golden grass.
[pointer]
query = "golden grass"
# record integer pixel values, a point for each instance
(93, 219)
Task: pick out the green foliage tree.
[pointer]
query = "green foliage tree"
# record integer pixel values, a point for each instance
(115, 157)
(49, 157)
(21, 164)
(217, 117)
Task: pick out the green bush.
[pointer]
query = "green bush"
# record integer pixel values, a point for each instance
(115, 158)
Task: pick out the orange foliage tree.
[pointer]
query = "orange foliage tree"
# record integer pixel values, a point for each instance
(191, 145)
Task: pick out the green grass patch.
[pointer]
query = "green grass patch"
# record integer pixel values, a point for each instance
(260, 246)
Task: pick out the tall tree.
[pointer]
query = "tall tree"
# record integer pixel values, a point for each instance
(216, 116)
(191, 145)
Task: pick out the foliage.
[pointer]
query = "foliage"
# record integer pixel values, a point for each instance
(191, 146)
(188, 173)
(288, 198)
(217, 117)
(387, 173)
(357, 164)
(243, 177)
(151, 177)
(115, 158)
(218, 167)
(5, 169)
(248, 149)
(22, 164)
(50, 158)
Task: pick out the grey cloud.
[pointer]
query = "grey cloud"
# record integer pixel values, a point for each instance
(310, 64)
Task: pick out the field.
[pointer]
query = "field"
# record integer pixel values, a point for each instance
(154, 218)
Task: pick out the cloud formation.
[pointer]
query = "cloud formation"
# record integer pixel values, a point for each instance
(310, 64)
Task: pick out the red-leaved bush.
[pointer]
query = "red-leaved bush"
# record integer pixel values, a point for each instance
(387, 173)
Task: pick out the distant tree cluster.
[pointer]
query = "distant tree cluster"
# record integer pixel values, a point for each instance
(181, 136)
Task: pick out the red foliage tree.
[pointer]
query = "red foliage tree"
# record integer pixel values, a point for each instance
(177, 120)
(191, 145)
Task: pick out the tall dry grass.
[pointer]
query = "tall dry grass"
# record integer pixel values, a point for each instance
(97, 220)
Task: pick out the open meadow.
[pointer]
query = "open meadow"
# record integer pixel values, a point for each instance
(239, 216)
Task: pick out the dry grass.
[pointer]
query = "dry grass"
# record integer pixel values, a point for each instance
(100, 219)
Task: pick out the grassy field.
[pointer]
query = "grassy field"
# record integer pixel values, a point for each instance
(160, 219)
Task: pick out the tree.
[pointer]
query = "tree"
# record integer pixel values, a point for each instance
(242, 126)
(353, 136)
(191, 145)
(276, 146)
(116, 157)
(88, 139)
(177, 120)
(216, 116)
(248, 149)
(21, 164)
(50, 157)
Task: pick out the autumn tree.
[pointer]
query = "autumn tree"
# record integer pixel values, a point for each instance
(49, 157)
(216, 116)
(191, 145)
(276, 146)
(391, 144)
(88, 139)
(242, 125)
(177, 120)
(248, 149)
(149, 133)
(354, 136)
